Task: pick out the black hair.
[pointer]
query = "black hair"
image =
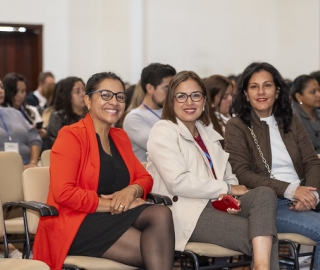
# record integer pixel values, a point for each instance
(154, 74)
(96, 79)
(63, 96)
(316, 75)
(281, 108)
(10, 81)
(299, 84)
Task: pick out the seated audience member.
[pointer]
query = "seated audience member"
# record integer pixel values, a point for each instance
(269, 147)
(69, 106)
(306, 99)
(138, 122)
(15, 86)
(102, 191)
(220, 91)
(188, 164)
(38, 97)
(17, 135)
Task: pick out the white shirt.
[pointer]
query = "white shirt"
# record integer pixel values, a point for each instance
(41, 98)
(282, 165)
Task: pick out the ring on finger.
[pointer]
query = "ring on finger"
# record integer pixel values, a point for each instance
(121, 206)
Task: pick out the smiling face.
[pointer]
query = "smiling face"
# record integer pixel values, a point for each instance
(102, 111)
(19, 97)
(262, 93)
(189, 111)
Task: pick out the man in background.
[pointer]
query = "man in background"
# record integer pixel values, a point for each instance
(155, 80)
(37, 98)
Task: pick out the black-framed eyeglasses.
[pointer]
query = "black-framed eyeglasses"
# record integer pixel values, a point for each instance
(108, 95)
(183, 97)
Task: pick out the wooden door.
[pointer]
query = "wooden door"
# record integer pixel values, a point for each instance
(21, 52)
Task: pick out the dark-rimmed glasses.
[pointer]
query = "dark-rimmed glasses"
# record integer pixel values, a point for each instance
(108, 95)
(183, 97)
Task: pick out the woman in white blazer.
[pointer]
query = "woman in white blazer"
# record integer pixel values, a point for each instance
(188, 164)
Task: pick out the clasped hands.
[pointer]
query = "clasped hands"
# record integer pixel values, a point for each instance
(123, 200)
(305, 199)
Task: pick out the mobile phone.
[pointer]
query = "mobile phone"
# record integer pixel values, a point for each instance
(226, 202)
(39, 125)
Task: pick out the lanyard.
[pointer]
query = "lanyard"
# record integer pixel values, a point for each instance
(5, 126)
(209, 158)
(150, 110)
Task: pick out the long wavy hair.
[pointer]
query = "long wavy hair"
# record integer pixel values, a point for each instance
(281, 108)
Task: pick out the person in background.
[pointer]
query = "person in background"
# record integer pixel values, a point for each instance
(138, 122)
(15, 86)
(269, 146)
(188, 164)
(38, 97)
(17, 135)
(100, 196)
(306, 99)
(69, 106)
(220, 91)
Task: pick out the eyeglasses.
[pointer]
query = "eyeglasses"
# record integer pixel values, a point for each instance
(183, 97)
(108, 95)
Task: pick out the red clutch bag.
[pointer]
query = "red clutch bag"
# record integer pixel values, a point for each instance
(227, 202)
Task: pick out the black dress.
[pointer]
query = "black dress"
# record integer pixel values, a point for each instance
(100, 230)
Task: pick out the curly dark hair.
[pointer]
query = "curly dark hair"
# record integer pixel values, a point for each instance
(63, 96)
(281, 108)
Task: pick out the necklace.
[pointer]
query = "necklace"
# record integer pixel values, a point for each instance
(196, 133)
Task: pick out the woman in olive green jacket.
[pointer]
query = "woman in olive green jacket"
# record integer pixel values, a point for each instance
(269, 146)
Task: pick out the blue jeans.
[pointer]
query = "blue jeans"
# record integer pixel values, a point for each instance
(306, 223)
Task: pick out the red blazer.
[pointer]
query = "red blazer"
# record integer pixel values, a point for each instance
(74, 173)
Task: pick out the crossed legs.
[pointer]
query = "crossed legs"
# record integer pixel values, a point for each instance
(149, 243)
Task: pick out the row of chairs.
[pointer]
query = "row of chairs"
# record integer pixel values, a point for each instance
(32, 185)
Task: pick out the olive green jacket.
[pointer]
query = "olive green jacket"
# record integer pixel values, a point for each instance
(247, 164)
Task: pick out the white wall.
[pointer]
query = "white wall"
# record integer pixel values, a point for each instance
(82, 37)
(225, 36)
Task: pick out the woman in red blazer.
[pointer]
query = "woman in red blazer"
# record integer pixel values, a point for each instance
(98, 187)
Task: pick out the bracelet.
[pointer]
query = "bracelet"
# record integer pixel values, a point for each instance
(229, 189)
(137, 191)
(33, 162)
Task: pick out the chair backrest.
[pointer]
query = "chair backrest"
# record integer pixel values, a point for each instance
(144, 164)
(45, 158)
(35, 184)
(11, 168)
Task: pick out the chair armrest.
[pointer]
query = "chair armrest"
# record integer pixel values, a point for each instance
(159, 199)
(42, 208)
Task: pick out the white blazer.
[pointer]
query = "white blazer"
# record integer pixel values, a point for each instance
(181, 171)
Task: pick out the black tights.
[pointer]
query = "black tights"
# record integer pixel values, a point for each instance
(148, 243)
